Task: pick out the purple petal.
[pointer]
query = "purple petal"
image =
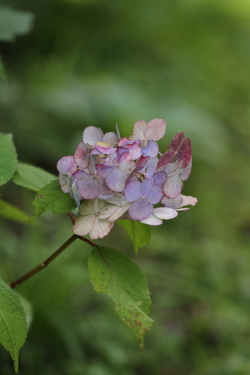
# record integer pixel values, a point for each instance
(160, 178)
(151, 150)
(132, 191)
(81, 156)
(67, 165)
(104, 170)
(150, 172)
(89, 187)
(146, 186)
(116, 180)
(140, 210)
(91, 135)
(103, 187)
(173, 186)
(155, 194)
(155, 129)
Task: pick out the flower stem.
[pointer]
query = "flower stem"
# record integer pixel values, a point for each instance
(44, 264)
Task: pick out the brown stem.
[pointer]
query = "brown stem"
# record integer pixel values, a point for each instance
(48, 260)
(72, 217)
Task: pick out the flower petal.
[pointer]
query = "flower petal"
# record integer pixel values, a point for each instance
(88, 187)
(174, 203)
(84, 224)
(188, 200)
(165, 213)
(119, 212)
(91, 135)
(139, 130)
(101, 229)
(111, 138)
(155, 194)
(152, 220)
(151, 150)
(81, 156)
(173, 185)
(67, 165)
(132, 191)
(140, 210)
(185, 172)
(155, 129)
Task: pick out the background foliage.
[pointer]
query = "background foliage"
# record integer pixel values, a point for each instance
(94, 62)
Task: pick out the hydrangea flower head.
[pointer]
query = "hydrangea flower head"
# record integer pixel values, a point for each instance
(113, 178)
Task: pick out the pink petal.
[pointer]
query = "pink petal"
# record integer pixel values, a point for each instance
(91, 135)
(81, 156)
(165, 213)
(84, 224)
(139, 130)
(105, 148)
(101, 229)
(152, 220)
(155, 129)
(173, 185)
(188, 200)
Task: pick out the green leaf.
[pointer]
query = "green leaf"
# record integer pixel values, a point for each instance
(51, 197)
(8, 158)
(13, 326)
(3, 74)
(138, 232)
(13, 23)
(112, 272)
(14, 213)
(31, 177)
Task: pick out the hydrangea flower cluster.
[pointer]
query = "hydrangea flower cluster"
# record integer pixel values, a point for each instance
(123, 178)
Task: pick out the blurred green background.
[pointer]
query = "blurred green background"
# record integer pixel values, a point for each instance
(95, 62)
